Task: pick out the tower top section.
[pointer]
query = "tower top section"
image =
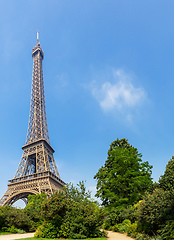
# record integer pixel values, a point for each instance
(37, 49)
(37, 128)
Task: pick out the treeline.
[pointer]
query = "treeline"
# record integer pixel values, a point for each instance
(133, 204)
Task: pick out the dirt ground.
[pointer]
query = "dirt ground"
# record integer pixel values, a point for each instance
(117, 236)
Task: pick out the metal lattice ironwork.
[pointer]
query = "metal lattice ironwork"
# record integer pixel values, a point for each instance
(37, 127)
(37, 170)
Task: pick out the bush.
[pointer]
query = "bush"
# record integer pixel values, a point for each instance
(49, 230)
(114, 216)
(65, 218)
(132, 230)
(33, 210)
(12, 229)
(141, 236)
(39, 233)
(167, 232)
(2, 220)
(129, 213)
(14, 217)
(46, 230)
(155, 210)
(111, 218)
(123, 227)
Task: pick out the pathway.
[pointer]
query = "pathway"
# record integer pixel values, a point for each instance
(117, 236)
(110, 236)
(16, 236)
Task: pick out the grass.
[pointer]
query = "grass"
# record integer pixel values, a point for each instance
(4, 233)
(33, 238)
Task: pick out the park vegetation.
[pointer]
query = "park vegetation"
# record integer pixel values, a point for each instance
(70, 213)
(130, 203)
(133, 204)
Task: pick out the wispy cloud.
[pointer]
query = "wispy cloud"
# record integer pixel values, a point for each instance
(60, 85)
(62, 80)
(118, 93)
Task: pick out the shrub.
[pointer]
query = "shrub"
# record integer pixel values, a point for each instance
(65, 218)
(12, 229)
(132, 230)
(39, 233)
(2, 220)
(114, 216)
(123, 227)
(129, 213)
(110, 219)
(114, 228)
(33, 210)
(49, 230)
(155, 210)
(14, 217)
(141, 236)
(167, 232)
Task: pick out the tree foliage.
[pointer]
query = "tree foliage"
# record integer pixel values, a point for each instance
(124, 178)
(155, 210)
(33, 209)
(166, 181)
(77, 193)
(70, 214)
(13, 217)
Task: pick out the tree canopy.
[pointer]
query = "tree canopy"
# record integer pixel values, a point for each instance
(166, 181)
(34, 207)
(77, 193)
(124, 177)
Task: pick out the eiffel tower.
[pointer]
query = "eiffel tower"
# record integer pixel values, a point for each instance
(37, 171)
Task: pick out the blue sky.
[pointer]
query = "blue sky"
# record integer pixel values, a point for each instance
(108, 73)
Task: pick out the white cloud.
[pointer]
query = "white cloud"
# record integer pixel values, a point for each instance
(118, 93)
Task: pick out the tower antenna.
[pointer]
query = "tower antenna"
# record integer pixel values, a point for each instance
(37, 36)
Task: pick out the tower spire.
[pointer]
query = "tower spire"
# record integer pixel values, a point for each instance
(37, 36)
(37, 127)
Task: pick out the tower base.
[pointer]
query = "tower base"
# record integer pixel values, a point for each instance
(20, 188)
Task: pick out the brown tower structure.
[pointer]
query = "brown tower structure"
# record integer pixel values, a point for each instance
(37, 171)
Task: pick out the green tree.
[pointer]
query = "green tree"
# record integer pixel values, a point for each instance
(124, 178)
(33, 209)
(166, 181)
(77, 193)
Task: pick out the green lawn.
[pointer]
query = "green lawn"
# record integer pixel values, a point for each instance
(4, 233)
(57, 238)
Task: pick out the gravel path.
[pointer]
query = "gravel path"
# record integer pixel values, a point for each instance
(110, 236)
(117, 236)
(16, 236)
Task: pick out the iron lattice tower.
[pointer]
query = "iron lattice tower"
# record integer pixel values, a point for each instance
(37, 170)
